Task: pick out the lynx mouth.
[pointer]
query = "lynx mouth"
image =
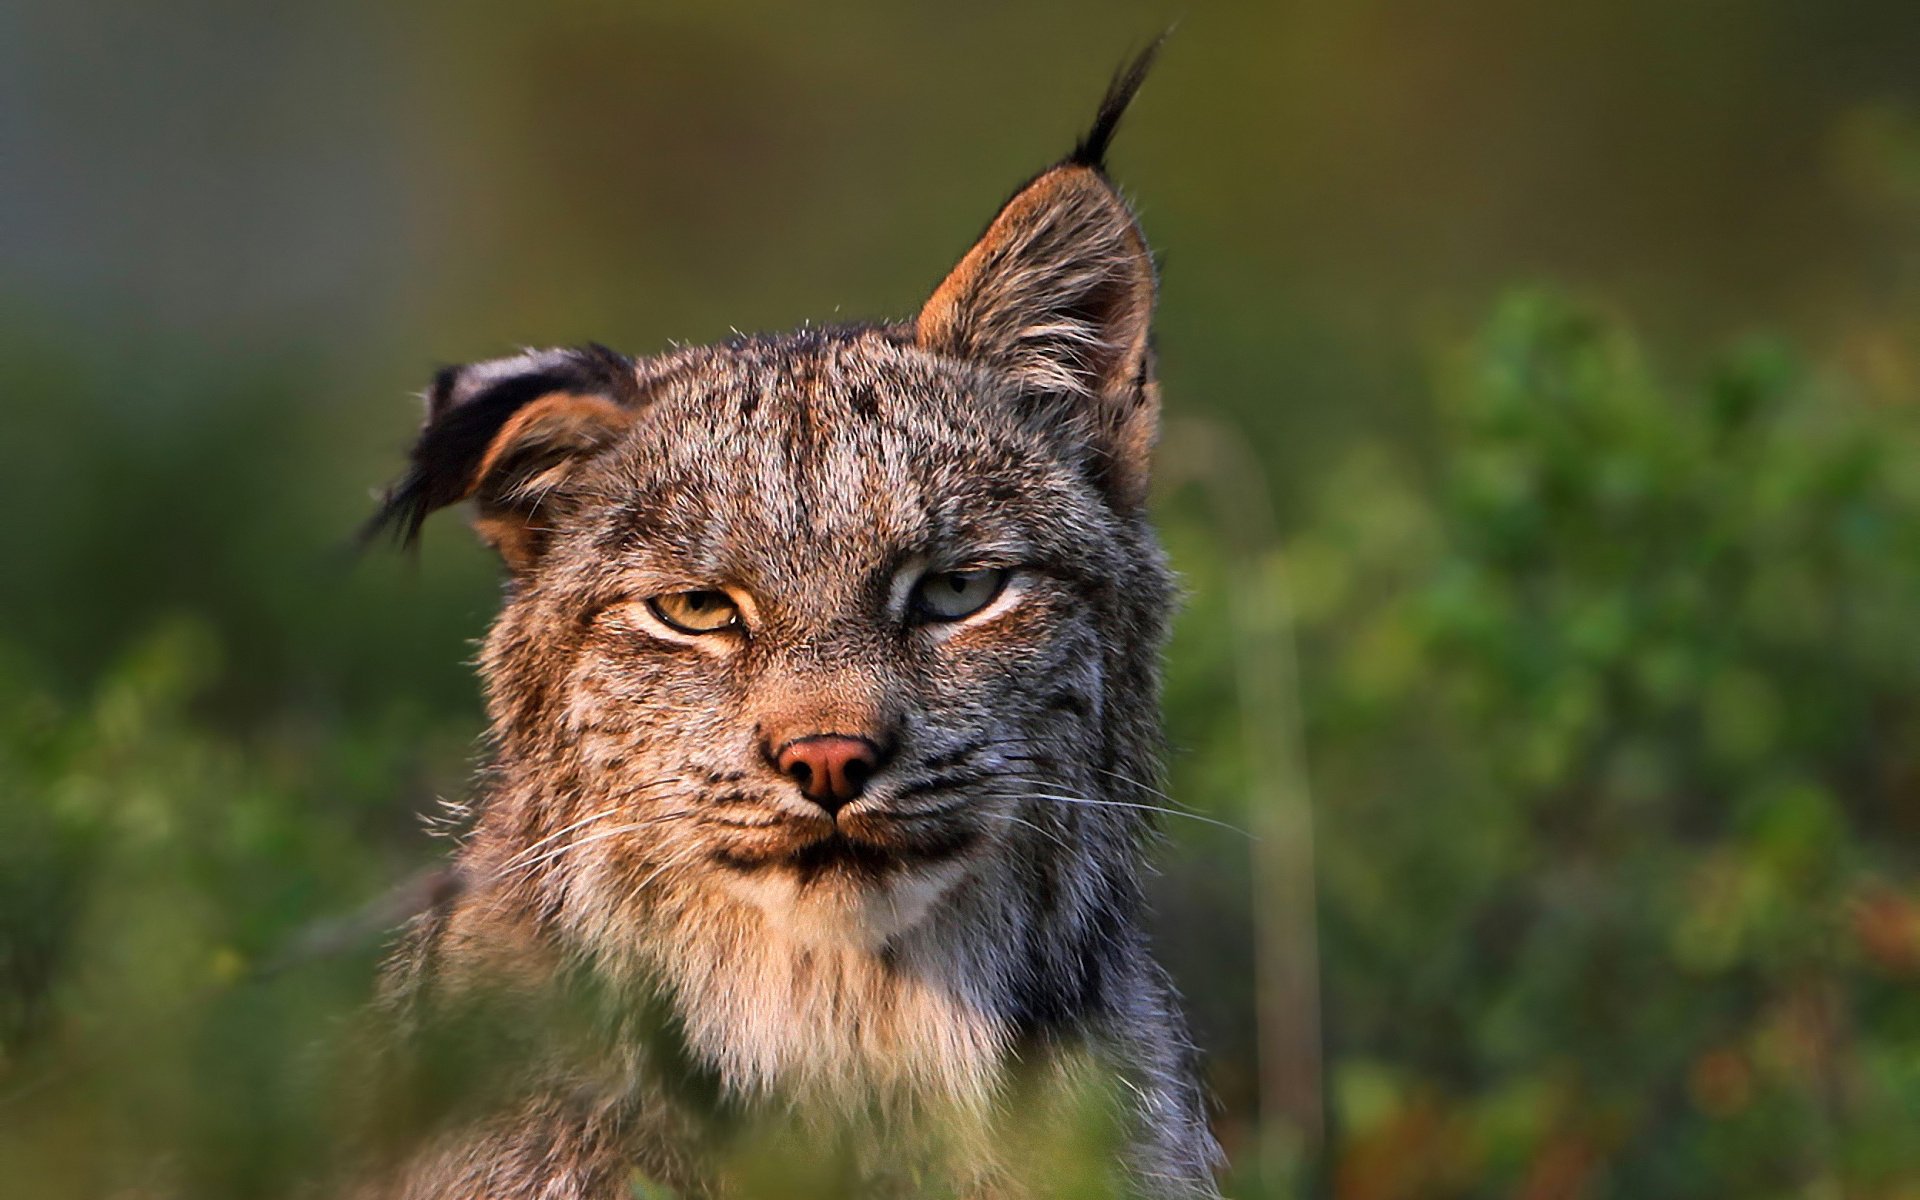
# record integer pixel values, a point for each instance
(854, 853)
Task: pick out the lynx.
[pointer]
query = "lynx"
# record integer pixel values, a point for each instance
(824, 720)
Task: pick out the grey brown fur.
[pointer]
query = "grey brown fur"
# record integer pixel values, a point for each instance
(961, 943)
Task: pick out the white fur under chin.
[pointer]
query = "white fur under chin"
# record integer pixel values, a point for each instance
(840, 913)
(836, 993)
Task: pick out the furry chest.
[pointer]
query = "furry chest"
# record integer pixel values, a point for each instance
(839, 1025)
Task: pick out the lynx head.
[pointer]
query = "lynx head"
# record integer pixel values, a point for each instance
(829, 625)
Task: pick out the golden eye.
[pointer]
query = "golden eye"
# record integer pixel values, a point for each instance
(695, 612)
(951, 595)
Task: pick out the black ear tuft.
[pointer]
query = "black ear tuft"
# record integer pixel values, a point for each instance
(467, 408)
(1092, 150)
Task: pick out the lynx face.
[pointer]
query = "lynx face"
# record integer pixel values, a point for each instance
(823, 620)
(817, 629)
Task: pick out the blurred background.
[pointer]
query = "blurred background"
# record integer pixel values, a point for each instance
(1542, 387)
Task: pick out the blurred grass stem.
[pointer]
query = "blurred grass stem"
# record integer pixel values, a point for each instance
(1292, 1119)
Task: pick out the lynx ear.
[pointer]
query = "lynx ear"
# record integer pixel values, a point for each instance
(509, 434)
(1058, 294)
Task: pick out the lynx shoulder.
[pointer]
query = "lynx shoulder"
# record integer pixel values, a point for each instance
(824, 713)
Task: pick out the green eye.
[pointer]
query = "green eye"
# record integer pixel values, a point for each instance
(951, 595)
(696, 612)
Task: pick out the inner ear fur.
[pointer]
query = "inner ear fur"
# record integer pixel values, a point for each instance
(1058, 295)
(529, 461)
(509, 434)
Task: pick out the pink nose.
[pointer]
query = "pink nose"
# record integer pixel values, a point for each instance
(830, 768)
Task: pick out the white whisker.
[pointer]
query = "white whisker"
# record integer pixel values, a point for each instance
(1152, 808)
(601, 836)
(589, 819)
(1115, 775)
(1041, 830)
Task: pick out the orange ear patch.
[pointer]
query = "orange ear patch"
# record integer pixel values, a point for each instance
(532, 454)
(941, 320)
(1059, 288)
(557, 424)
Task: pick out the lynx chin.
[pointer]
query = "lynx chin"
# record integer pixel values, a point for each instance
(824, 705)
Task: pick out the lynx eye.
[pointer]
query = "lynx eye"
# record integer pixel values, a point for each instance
(695, 612)
(952, 595)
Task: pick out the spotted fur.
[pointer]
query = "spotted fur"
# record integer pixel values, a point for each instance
(970, 928)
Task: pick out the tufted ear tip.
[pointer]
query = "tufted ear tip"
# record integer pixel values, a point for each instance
(1091, 151)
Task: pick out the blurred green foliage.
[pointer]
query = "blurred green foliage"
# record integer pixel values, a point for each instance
(1614, 730)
